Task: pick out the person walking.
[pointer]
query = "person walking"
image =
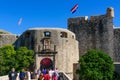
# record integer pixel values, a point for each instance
(13, 74)
(28, 75)
(54, 76)
(57, 72)
(44, 71)
(47, 76)
(51, 73)
(22, 75)
(41, 77)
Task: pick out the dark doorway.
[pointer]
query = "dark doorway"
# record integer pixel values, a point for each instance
(46, 63)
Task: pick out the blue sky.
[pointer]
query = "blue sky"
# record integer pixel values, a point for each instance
(50, 13)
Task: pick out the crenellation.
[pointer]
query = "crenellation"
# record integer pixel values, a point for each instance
(77, 20)
(96, 18)
(82, 18)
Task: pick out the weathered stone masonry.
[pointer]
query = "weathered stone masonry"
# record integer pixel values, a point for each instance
(59, 45)
(96, 33)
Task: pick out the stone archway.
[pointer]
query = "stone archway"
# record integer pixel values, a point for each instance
(46, 63)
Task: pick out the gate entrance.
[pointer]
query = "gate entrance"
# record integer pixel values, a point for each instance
(46, 63)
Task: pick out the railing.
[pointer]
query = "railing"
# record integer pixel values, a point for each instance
(4, 77)
(63, 76)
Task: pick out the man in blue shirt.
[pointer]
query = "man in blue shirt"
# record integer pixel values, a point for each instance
(22, 75)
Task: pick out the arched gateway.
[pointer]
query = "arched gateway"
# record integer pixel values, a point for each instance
(46, 63)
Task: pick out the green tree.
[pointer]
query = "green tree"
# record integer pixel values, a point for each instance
(96, 65)
(24, 57)
(7, 59)
(21, 58)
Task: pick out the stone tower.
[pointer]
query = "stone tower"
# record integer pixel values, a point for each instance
(96, 33)
(110, 12)
(54, 48)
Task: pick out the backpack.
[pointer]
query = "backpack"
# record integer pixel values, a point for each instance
(54, 74)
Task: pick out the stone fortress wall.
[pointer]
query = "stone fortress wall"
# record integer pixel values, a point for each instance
(6, 38)
(117, 44)
(62, 41)
(96, 33)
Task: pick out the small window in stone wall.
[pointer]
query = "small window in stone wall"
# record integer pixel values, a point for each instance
(63, 34)
(17, 36)
(72, 37)
(47, 34)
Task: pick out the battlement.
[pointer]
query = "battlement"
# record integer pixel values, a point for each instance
(77, 20)
(84, 18)
(97, 18)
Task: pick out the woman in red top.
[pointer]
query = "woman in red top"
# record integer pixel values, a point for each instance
(46, 76)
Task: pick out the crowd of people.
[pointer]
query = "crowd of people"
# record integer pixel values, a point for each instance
(23, 75)
(44, 74)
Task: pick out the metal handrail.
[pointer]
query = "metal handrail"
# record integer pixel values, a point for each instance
(64, 76)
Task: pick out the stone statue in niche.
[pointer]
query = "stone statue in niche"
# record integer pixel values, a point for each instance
(47, 44)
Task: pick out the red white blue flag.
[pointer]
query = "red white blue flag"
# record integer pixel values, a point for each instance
(74, 8)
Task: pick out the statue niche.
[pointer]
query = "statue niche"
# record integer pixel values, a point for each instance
(46, 44)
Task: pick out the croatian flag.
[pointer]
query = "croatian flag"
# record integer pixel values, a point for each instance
(74, 8)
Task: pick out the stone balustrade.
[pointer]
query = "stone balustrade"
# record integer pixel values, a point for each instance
(64, 76)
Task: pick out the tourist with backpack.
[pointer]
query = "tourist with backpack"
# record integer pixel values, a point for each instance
(54, 76)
